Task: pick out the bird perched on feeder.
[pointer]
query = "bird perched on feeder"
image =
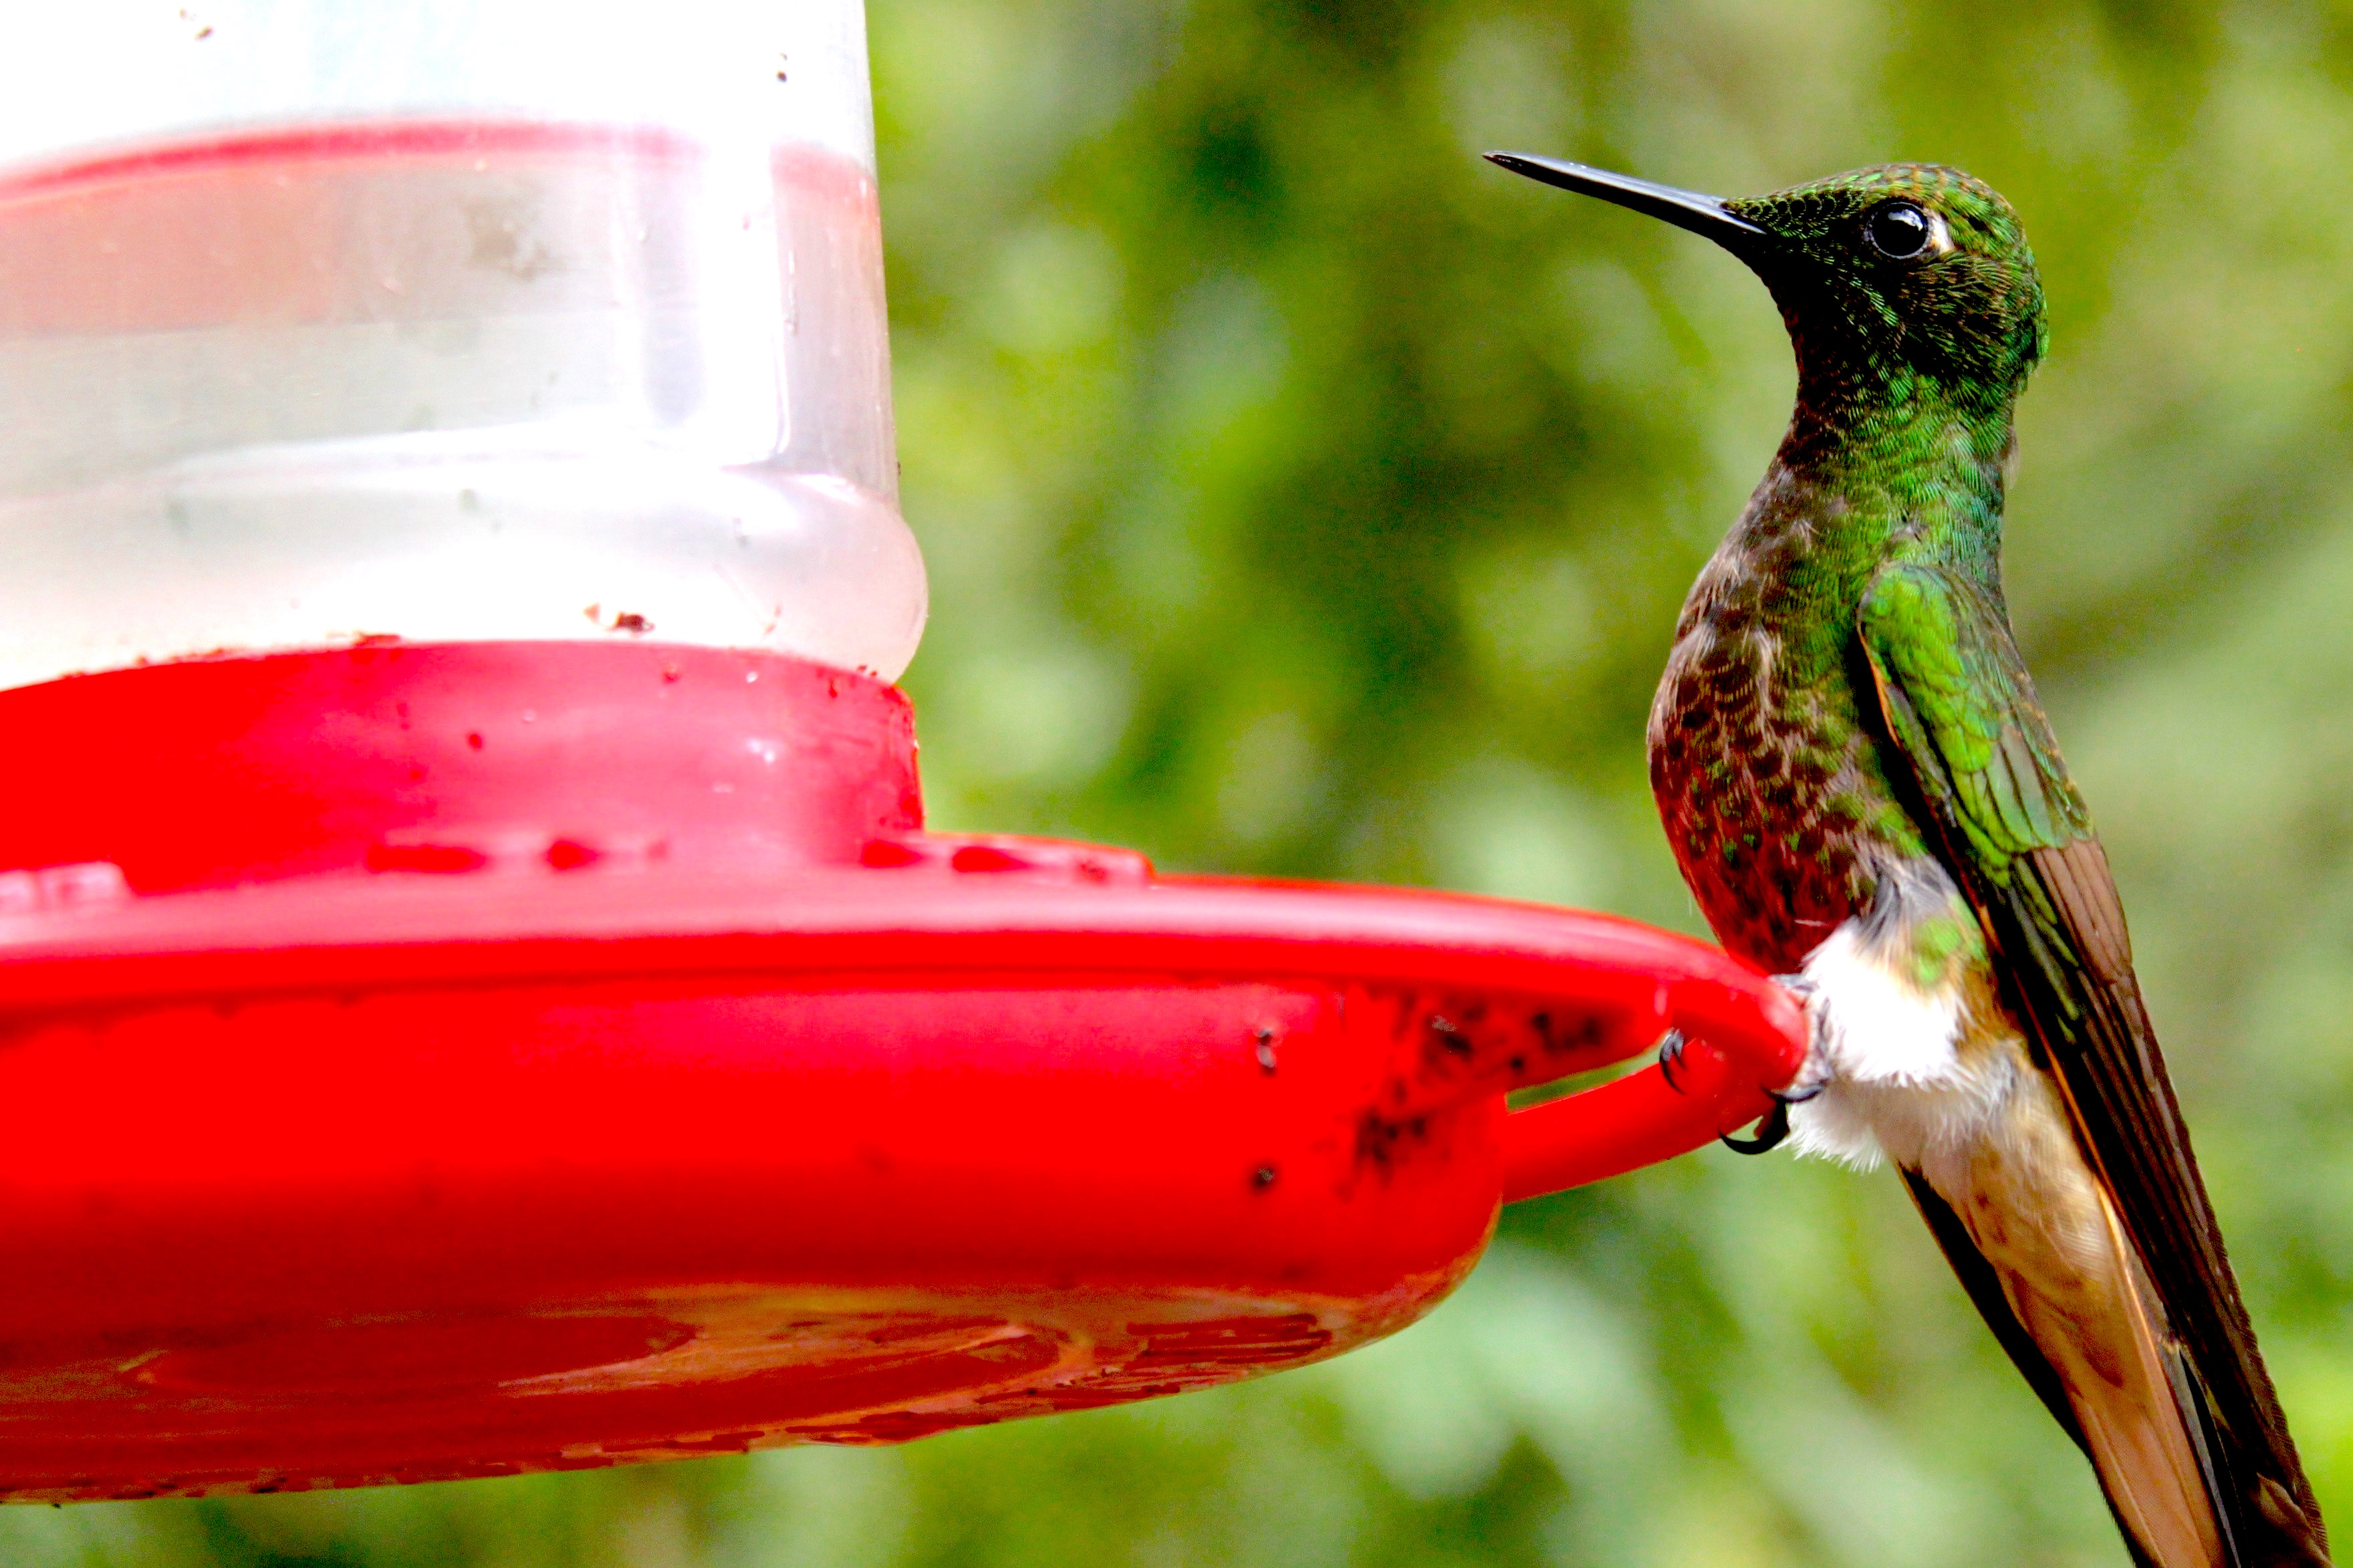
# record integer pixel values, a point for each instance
(1864, 793)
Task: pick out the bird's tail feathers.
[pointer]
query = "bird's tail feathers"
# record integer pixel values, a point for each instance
(2257, 1522)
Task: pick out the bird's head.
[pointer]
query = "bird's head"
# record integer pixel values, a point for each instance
(1884, 274)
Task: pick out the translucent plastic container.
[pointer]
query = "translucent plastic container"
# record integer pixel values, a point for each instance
(443, 320)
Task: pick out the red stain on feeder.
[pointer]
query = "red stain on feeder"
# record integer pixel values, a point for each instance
(773, 1119)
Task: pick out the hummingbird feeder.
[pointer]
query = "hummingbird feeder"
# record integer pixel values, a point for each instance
(478, 993)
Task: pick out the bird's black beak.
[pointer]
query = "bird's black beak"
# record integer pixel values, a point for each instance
(1685, 209)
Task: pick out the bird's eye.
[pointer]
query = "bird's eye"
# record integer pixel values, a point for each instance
(1898, 231)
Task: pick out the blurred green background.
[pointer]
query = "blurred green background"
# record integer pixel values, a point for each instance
(1304, 496)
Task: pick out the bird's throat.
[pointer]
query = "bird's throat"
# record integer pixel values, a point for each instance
(1897, 470)
(1905, 451)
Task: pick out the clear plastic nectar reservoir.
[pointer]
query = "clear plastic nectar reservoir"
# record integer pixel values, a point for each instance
(450, 319)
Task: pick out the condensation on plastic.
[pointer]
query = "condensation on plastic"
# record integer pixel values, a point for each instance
(443, 320)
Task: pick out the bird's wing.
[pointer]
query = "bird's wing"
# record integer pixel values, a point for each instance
(1962, 711)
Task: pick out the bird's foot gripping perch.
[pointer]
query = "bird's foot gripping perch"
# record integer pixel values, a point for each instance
(1811, 1079)
(1775, 1127)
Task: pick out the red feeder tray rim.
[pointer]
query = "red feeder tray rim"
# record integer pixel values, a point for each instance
(472, 1057)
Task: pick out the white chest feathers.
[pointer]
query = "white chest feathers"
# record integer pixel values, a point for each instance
(1904, 1069)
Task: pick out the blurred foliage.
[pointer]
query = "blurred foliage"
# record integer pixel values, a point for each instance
(1303, 496)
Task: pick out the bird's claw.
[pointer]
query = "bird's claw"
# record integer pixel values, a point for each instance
(1770, 1132)
(1670, 1058)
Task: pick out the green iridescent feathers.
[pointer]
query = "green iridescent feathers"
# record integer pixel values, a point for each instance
(1963, 714)
(1969, 318)
(1963, 711)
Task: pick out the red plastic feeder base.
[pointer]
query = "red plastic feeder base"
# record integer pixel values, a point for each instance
(451, 1061)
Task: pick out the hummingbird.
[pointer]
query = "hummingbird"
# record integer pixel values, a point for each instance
(1867, 798)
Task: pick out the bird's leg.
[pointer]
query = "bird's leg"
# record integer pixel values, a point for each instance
(1814, 1074)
